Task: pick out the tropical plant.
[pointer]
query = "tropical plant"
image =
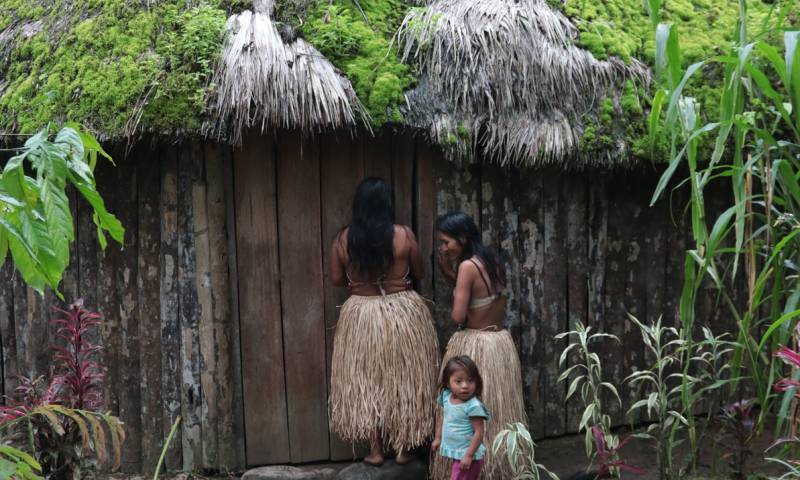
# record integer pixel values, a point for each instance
(610, 463)
(586, 375)
(58, 419)
(739, 424)
(520, 450)
(757, 153)
(662, 398)
(36, 224)
(16, 464)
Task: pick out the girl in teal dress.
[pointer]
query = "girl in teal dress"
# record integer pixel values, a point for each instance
(461, 422)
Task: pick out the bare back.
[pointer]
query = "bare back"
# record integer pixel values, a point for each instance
(477, 302)
(407, 263)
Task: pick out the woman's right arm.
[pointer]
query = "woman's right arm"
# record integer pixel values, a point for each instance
(338, 277)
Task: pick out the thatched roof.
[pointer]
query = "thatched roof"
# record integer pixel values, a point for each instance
(504, 77)
(264, 80)
(498, 76)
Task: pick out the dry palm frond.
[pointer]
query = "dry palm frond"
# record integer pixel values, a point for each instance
(260, 80)
(508, 67)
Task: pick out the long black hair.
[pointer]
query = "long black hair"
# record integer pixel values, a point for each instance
(462, 362)
(371, 232)
(460, 226)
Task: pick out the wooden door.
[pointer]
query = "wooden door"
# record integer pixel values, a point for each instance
(293, 194)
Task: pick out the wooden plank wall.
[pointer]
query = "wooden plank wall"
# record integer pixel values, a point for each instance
(220, 309)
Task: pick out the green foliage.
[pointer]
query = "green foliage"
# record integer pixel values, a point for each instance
(36, 224)
(756, 153)
(15, 463)
(586, 379)
(621, 28)
(357, 39)
(116, 64)
(520, 451)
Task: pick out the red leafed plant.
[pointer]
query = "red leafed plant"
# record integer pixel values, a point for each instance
(59, 418)
(609, 458)
(81, 374)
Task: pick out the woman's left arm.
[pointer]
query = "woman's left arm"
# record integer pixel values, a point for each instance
(463, 291)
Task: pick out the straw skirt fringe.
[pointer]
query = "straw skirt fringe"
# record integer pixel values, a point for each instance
(498, 362)
(384, 370)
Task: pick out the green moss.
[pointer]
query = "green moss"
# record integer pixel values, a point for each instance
(359, 44)
(115, 61)
(622, 28)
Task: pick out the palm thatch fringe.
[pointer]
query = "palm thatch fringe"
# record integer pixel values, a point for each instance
(507, 75)
(264, 82)
(383, 371)
(498, 363)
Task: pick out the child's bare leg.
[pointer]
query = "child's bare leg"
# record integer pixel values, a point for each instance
(403, 457)
(375, 456)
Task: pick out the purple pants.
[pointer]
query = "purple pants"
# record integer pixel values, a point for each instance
(472, 474)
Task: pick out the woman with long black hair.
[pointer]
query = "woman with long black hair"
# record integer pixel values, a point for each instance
(385, 352)
(479, 303)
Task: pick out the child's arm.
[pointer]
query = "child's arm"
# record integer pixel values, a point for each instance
(437, 439)
(478, 424)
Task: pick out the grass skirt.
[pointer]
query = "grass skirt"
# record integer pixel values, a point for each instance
(496, 356)
(384, 370)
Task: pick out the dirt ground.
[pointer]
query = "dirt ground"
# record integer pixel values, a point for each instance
(565, 456)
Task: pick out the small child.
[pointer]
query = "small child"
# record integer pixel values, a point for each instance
(460, 424)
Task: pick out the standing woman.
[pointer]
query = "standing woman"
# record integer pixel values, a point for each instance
(385, 352)
(479, 304)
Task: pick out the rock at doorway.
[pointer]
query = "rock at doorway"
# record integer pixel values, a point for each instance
(417, 469)
(283, 472)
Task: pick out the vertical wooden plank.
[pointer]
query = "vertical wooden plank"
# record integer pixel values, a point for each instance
(341, 166)
(232, 456)
(109, 262)
(554, 300)
(633, 232)
(169, 295)
(302, 303)
(69, 282)
(378, 153)
(10, 371)
(615, 320)
(501, 232)
(128, 391)
(458, 187)
(218, 450)
(264, 388)
(148, 307)
(87, 249)
(598, 243)
(190, 173)
(425, 213)
(575, 195)
(531, 251)
(402, 163)
(656, 223)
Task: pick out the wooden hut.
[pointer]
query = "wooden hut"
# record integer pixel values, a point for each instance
(219, 307)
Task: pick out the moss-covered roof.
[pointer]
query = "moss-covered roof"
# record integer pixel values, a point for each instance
(123, 67)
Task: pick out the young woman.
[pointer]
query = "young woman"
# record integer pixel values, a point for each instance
(385, 352)
(479, 303)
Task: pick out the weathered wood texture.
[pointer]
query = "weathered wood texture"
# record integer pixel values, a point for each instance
(220, 308)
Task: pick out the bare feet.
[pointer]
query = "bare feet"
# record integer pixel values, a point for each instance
(403, 458)
(375, 459)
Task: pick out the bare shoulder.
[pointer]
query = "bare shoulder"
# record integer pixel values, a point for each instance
(468, 267)
(404, 236)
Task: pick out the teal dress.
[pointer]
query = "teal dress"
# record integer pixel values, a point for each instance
(457, 428)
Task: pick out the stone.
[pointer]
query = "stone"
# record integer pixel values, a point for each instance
(284, 472)
(415, 470)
